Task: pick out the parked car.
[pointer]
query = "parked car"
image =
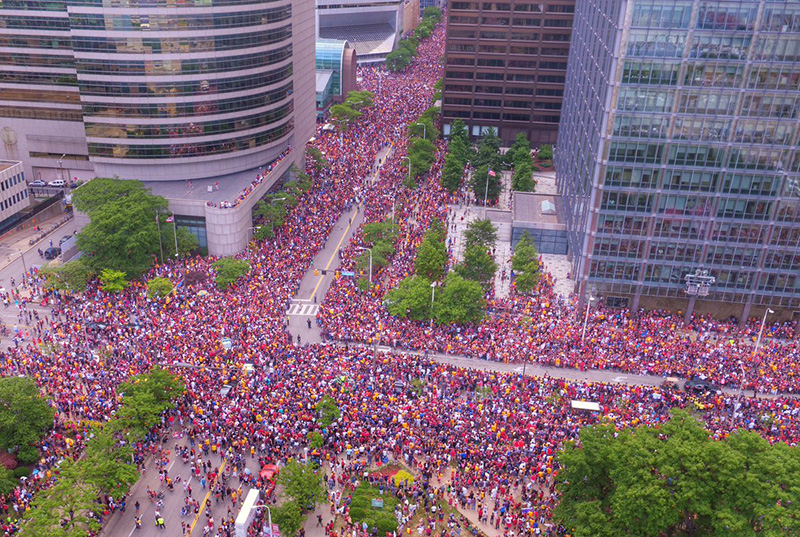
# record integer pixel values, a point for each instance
(52, 252)
(700, 385)
(37, 183)
(60, 183)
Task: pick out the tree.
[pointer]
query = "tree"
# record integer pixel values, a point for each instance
(319, 161)
(431, 258)
(72, 276)
(342, 116)
(7, 480)
(122, 234)
(107, 465)
(416, 129)
(113, 281)
(525, 253)
(545, 152)
(481, 233)
(398, 60)
(478, 266)
(159, 287)
(328, 411)
(432, 13)
(522, 180)
(229, 270)
(379, 231)
(411, 298)
(519, 151)
(315, 440)
(288, 517)
(422, 154)
(410, 45)
(358, 100)
(461, 149)
(458, 131)
(187, 243)
(302, 484)
(480, 179)
(459, 301)
(674, 479)
(24, 414)
(145, 398)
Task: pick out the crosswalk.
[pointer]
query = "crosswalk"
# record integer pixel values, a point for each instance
(309, 310)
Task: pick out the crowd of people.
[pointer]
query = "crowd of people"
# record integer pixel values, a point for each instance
(485, 442)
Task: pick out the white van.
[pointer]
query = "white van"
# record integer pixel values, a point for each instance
(58, 182)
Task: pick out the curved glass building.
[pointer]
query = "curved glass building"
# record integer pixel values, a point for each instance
(166, 89)
(202, 86)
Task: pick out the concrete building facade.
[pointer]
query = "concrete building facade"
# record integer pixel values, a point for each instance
(678, 152)
(13, 192)
(506, 64)
(163, 92)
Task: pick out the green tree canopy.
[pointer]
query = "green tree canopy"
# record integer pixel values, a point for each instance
(398, 60)
(479, 181)
(431, 258)
(342, 116)
(328, 411)
(675, 480)
(525, 253)
(72, 276)
(458, 130)
(358, 100)
(302, 483)
(522, 180)
(432, 13)
(25, 415)
(229, 270)
(146, 397)
(520, 150)
(113, 281)
(122, 234)
(477, 266)
(545, 152)
(481, 233)
(159, 287)
(411, 298)
(288, 517)
(459, 301)
(379, 231)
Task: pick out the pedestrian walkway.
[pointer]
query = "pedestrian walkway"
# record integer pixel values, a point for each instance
(300, 308)
(319, 277)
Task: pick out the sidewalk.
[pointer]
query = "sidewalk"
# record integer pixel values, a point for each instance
(15, 243)
(315, 284)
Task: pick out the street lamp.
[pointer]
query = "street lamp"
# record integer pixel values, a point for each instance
(370, 261)
(433, 292)
(269, 515)
(586, 318)
(761, 330)
(61, 165)
(424, 130)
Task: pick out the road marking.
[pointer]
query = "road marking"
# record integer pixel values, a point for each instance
(618, 379)
(518, 370)
(203, 504)
(303, 309)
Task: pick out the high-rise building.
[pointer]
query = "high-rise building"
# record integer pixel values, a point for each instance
(678, 153)
(163, 91)
(506, 64)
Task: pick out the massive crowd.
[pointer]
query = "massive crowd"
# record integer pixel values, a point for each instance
(486, 442)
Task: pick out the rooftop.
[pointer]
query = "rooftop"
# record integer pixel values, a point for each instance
(6, 164)
(540, 211)
(365, 38)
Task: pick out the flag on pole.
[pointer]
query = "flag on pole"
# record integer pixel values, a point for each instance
(170, 218)
(491, 173)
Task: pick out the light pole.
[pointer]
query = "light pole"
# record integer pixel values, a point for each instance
(741, 385)
(24, 266)
(269, 514)
(61, 166)
(586, 318)
(486, 193)
(424, 130)
(433, 292)
(370, 261)
(761, 330)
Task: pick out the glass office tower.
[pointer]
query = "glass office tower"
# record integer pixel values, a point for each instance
(678, 151)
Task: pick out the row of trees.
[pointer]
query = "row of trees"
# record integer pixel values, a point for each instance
(344, 114)
(525, 265)
(380, 238)
(674, 479)
(519, 156)
(458, 300)
(270, 213)
(128, 230)
(402, 57)
(70, 507)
